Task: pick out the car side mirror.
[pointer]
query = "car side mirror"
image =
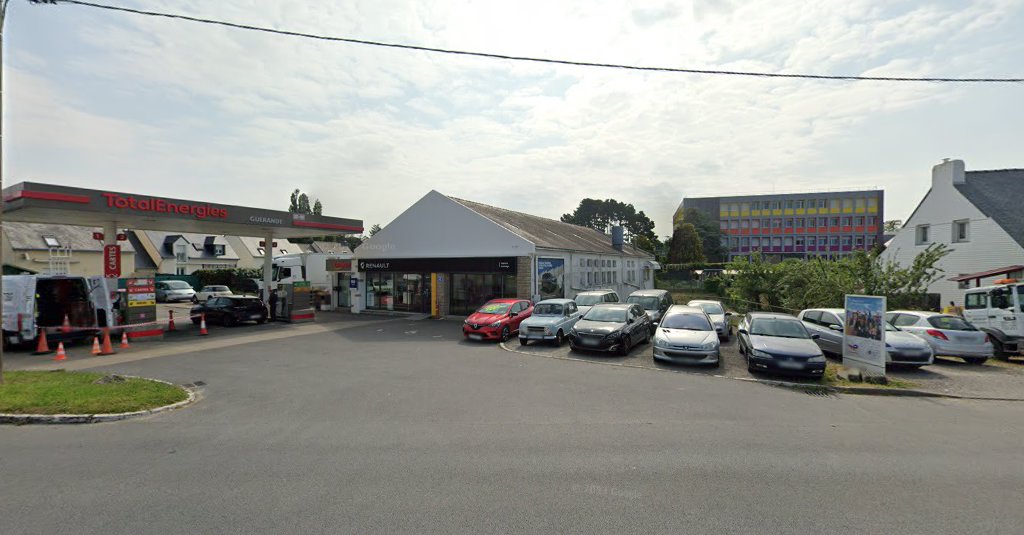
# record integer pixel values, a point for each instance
(629, 320)
(815, 336)
(513, 314)
(741, 331)
(728, 314)
(835, 327)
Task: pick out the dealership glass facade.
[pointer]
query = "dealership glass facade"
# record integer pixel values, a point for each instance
(471, 290)
(404, 292)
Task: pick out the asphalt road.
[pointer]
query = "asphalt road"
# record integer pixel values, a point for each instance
(403, 427)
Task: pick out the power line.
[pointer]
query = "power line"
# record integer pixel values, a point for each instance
(489, 55)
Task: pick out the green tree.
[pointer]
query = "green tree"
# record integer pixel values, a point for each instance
(318, 208)
(710, 234)
(686, 246)
(601, 215)
(892, 226)
(374, 229)
(299, 204)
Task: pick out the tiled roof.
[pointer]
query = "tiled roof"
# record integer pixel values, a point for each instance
(998, 194)
(29, 237)
(551, 234)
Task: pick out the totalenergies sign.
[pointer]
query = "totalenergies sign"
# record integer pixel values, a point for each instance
(199, 211)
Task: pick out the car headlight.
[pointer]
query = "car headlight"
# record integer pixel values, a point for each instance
(611, 336)
(660, 342)
(466, 322)
(547, 330)
(761, 354)
(819, 358)
(708, 346)
(496, 324)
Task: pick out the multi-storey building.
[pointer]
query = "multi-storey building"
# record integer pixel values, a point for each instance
(795, 225)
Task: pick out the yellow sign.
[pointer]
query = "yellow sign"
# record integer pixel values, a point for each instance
(148, 303)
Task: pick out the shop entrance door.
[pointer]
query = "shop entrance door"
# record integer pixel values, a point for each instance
(412, 292)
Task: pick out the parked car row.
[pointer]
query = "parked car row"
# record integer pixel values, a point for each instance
(176, 290)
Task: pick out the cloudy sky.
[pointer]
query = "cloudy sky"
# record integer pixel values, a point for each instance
(108, 100)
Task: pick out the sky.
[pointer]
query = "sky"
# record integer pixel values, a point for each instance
(156, 106)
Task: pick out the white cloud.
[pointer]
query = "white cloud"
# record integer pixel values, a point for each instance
(370, 130)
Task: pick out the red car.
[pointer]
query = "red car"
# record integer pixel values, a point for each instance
(499, 319)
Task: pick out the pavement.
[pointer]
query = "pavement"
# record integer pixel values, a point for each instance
(395, 426)
(947, 376)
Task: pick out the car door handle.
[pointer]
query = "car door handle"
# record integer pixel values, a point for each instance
(991, 316)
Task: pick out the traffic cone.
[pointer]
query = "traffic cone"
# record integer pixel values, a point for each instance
(124, 340)
(60, 352)
(66, 327)
(202, 325)
(96, 345)
(108, 348)
(170, 322)
(43, 347)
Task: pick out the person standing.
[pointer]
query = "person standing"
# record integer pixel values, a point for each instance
(272, 301)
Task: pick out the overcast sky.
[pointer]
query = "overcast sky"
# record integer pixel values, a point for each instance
(163, 107)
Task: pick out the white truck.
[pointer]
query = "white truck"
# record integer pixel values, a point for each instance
(998, 311)
(34, 301)
(312, 267)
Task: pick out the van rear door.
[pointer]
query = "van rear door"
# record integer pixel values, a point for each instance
(19, 299)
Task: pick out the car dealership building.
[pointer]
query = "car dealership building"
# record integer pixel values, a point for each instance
(446, 256)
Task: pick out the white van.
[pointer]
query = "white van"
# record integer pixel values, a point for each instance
(998, 311)
(34, 301)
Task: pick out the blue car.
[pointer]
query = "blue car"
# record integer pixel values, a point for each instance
(550, 322)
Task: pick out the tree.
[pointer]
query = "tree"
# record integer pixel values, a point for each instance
(299, 204)
(601, 215)
(686, 246)
(710, 234)
(374, 229)
(892, 226)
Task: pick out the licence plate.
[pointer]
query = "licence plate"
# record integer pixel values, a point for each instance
(255, 316)
(475, 337)
(588, 341)
(790, 365)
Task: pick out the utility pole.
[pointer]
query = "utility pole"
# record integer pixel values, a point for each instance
(3, 16)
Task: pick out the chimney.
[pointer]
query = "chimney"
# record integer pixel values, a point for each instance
(948, 173)
(617, 237)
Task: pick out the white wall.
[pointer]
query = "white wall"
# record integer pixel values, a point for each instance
(438, 227)
(989, 247)
(576, 274)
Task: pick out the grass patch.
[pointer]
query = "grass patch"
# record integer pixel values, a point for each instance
(60, 392)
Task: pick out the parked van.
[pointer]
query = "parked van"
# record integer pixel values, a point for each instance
(998, 311)
(34, 301)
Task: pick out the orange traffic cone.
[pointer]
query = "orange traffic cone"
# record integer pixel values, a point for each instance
(60, 352)
(170, 322)
(124, 340)
(96, 345)
(108, 348)
(43, 347)
(202, 325)
(66, 327)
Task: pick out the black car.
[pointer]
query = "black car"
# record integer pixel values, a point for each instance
(779, 343)
(231, 310)
(611, 327)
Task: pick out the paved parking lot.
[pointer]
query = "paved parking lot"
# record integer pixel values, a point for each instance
(1000, 379)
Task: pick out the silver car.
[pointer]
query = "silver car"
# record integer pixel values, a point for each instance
(948, 335)
(901, 348)
(170, 290)
(550, 322)
(585, 300)
(719, 317)
(686, 335)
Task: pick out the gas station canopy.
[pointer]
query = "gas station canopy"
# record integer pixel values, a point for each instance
(47, 203)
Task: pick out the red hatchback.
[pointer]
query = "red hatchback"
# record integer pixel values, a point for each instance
(499, 319)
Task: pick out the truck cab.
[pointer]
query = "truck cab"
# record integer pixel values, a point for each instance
(998, 310)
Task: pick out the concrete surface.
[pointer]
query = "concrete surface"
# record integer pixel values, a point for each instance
(401, 427)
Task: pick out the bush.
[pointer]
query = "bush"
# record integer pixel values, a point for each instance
(232, 278)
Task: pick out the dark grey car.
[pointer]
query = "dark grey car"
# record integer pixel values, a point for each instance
(655, 302)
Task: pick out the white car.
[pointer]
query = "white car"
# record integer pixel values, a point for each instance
(687, 336)
(719, 317)
(901, 348)
(213, 290)
(948, 335)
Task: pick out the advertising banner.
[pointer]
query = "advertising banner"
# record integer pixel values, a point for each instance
(550, 277)
(864, 334)
(112, 261)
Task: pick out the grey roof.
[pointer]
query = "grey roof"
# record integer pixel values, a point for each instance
(29, 237)
(142, 260)
(551, 234)
(998, 195)
(197, 251)
(330, 247)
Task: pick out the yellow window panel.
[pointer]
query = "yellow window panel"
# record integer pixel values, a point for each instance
(789, 211)
(799, 211)
(776, 212)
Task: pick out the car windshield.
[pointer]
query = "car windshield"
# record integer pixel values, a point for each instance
(711, 308)
(890, 327)
(782, 328)
(495, 308)
(588, 300)
(547, 309)
(950, 323)
(617, 315)
(687, 322)
(177, 285)
(649, 303)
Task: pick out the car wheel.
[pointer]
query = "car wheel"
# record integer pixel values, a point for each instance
(523, 341)
(505, 333)
(647, 337)
(997, 349)
(195, 299)
(624, 347)
(559, 339)
(975, 360)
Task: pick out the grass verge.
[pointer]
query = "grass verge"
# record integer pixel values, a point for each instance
(60, 392)
(832, 378)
